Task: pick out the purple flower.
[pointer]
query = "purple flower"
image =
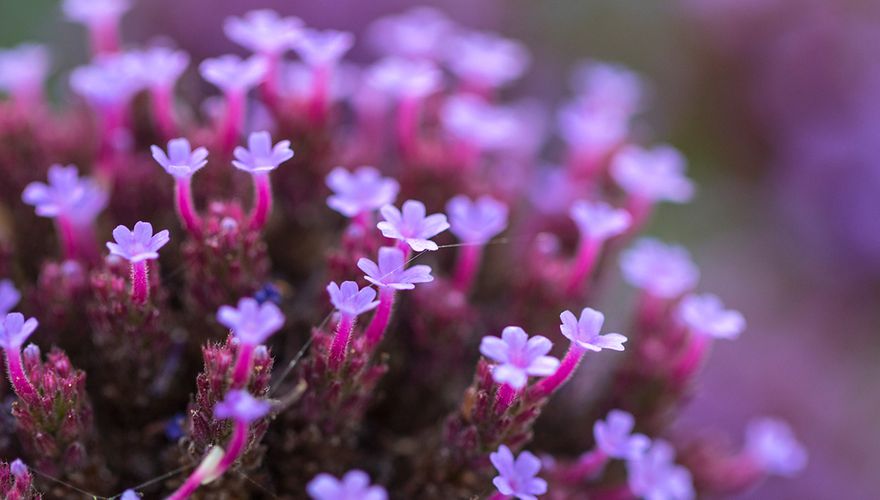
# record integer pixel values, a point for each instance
(66, 195)
(655, 476)
(519, 356)
(95, 11)
(181, 161)
(361, 191)
(492, 128)
(109, 81)
(705, 315)
(599, 221)
(615, 438)
(772, 444)
(159, 67)
(18, 468)
(264, 31)
(404, 78)
(240, 406)
(591, 131)
(391, 271)
(355, 485)
(321, 48)
(655, 174)
(412, 226)
(129, 495)
(476, 221)
(14, 330)
(517, 477)
(9, 296)
(486, 59)
(232, 74)
(251, 322)
(662, 270)
(608, 89)
(350, 299)
(585, 331)
(138, 245)
(419, 32)
(261, 156)
(23, 68)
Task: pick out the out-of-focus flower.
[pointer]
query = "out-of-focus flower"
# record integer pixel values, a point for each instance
(321, 48)
(138, 245)
(412, 226)
(264, 31)
(773, 445)
(354, 485)
(181, 161)
(23, 68)
(662, 270)
(158, 67)
(599, 221)
(110, 80)
(240, 406)
(419, 32)
(653, 174)
(705, 315)
(585, 331)
(391, 270)
(655, 476)
(260, 155)
(588, 131)
(232, 74)
(95, 11)
(615, 438)
(361, 191)
(476, 221)
(66, 195)
(9, 296)
(518, 356)
(251, 322)
(517, 477)
(349, 299)
(489, 127)
(485, 59)
(404, 78)
(608, 89)
(129, 495)
(14, 330)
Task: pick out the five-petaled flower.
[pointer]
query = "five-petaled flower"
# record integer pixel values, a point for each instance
(412, 226)
(181, 161)
(391, 270)
(771, 443)
(361, 191)
(138, 245)
(517, 477)
(66, 195)
(599, 221)
(240, 406)
(653, 174)
(251, 322)
(351, 300)
(232, 74)
(615, 438)
(705, 315)
(655, 476)
(662, 270)
(354, 485)
(518, 356)
(264, 31)
(476, 221)
(14, 330)
(261, 156)
(585, 331)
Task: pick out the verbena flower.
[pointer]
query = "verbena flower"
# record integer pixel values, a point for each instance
(66, 195)
(23, 68)
(391, 270)
(323, 47)
(361, 191)
(655, 475)
(419, 32)
(18, 468)
(138, 245)
(654, 174)
(585, 331)
(403, 78)
(181, 161)
(773, 445)
(517, 476)
(9, 296)
(608, 89)
(108, 81)
(476, 221)
(251, 322)
(593, 132)
(354, 485)
(412, 226)
(158, 66)
(94, 11)
(129, 495)
(486, 59)
(261, 155)
(705, 315)
(663, 270)
(615, 438)
(490, 127)
(232, 74)
(518, 356)
(14, 330)
(599, 221)
(349, 299)
(240, 406)
(264, 31)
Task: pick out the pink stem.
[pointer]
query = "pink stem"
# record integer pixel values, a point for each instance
(262, 200)
(140, 282)
(269, 89)
(639, 209)
(18, 378)
(466, 266)
(318, 104)
(163, 110)
(241, 372)
(105, 36)
(566, 369)
(650, 310)
(408, 125)
(405, 248)
(589, 465)
(339, 347)
(67, 234)
(583, 264)
(232, 121)
(379, 323)
(504, 398)
(186, 207)
(235, 447)
(690, 361)
(498, 496)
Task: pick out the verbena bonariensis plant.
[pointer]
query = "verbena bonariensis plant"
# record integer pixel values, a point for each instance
(210, 358)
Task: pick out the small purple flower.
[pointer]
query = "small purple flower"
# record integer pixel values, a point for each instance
(486, 59)
(95, 11)
(350, 299)
(354, 485)
(260, 155)
(599, 221)
(519, 356)
(129, 495)
(14, 330)
(590, 131)
(655, 476)
(772, 444)
(517, 477)
(391, 271)
(609, 89)
(662, 270)
(9, 296)
(263, 31)
(361, 191)
(322, 48)
(476, 221)
(404, 78)
(138, 245)
(181, 161)
(251, 322)
(232, 74)
(66, 195)
(159, 67)
(491, 127)
(18, 468)
(655, 174)
(614, 436)
(419, 33)
(240, 406)
(705, 315)
(23, 68)
(585, 331)
(109, 81)
(412, 226)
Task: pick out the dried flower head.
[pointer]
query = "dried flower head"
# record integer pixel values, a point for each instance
(517, 477)
(654, 174)
(361, 191)
(518, 356)
(240, 406)
(599, 221)
(251, 322)
(585, 331)
(391, 270)
(348, 298)
(354, 485)
(662, 270)
(260, 155)
(412, 226)
(181, 161)
(705, 315)
(773, 445)
(615, 438)
(264, 31)
(476, 221)
(232, 74)
(14, 330)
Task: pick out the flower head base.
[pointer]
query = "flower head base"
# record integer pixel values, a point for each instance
(655, 476)
(232, 74)
(138, 245)
(361, 191)
(599, 221)
(412, 226)
(351, 300)
(476, 221)
(354, 485)
(109, 81)
(159, 67)
(404, 78)
(585, 331)
(323, 48)
(772, 444)
(518, 356)
(419, 33)
(487, 59)
(95, 11)
(391, 271)
(240, 406)
(251, 322)
(615, 438)
(23, 68)
(654, 174)
(263, 31)
(9, 296)
(14, 330)
(66, 195)
(705, 315)
(261, 156)
(181, 161)
(662, 270)
(517, 477)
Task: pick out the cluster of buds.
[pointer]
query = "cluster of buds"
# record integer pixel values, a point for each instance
(17, 482)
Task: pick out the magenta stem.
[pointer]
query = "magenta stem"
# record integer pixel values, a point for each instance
(589, 465)
(639, 209)
(18, 378)
(163, 110)
(405, 248)
(498, 496)
(692, 359)
(566, 369)
(233, 450)
(186, 207)
(469, 257)
(241, 372)
(379, 323)
(504, 398)
(262, 200)
(67, 235)
(269, 88)
(232, 121)
(339, 347)
(583, 264)
(105, 36)
(408, 125)
(318, 104)
(140, 282)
